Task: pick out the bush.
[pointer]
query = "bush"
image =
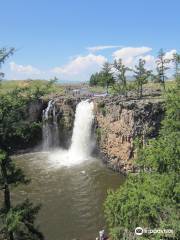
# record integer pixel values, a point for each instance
(15, 129)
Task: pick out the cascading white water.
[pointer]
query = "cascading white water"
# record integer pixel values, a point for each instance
(81, 144)
(55, 128)
(81, 138)
(50, 127)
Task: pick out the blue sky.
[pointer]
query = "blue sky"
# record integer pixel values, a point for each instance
(55, 37)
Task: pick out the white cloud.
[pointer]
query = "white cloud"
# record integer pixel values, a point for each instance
(25, 69)
(128, 52)
(80, 68)
(101, 47)
(150, 61)
(130, 55)
(169, 54)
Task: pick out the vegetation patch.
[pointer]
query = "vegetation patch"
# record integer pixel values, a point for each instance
(151, 198)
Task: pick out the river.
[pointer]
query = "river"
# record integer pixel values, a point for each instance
(72, 197)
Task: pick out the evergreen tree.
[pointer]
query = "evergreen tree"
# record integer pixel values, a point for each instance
(4, 54)
(176, 60)
(162, 67)
(121, 70)
(107, 76)
(97, 79)
(141, 76)
(94, 79)
(16, 222)
(52, 81)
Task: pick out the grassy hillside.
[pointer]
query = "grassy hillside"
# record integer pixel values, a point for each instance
(9, 85)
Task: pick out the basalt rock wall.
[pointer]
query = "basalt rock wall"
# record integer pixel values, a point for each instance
(120, 122)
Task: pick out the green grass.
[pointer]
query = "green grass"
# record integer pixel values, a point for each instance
(168, 84)
(97, 89)
(58, 88)
(9, 85)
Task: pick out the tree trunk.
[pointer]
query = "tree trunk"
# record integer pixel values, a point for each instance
(163, 78)
(141, 91)
(138, 90)
(107, 86)
(124, 89)
(7, 199)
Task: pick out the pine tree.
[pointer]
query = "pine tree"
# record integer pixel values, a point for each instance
(176, 60)
(121, 70)
(107, 78)
(162, 67)
(141, 76)
(4, 54)
(17, 222)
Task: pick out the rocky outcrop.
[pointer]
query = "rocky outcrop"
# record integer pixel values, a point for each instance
(119, 122)
(65, 112)
(34, 110)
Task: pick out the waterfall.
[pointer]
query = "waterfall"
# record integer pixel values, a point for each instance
(50, 127)
(81, 138)
(81, 142)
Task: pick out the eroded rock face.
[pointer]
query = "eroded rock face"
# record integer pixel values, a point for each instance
(65, 108)
(34, 110)
(119, 122)
(65, 112)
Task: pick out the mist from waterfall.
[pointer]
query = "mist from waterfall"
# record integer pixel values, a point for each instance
(81, 142)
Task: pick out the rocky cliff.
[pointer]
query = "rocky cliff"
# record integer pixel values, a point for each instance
(66, 108)
(119, 122)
